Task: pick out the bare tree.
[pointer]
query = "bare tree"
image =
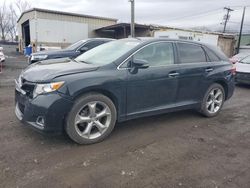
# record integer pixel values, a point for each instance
(12, 26)
(8, 18)
(21, 6)
(4, 17)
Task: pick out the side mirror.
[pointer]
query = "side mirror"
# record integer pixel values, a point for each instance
(84, 49)
(140, 63)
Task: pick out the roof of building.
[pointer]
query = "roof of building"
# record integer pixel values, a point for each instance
(65, 13)
(121, 26)
(160, 27)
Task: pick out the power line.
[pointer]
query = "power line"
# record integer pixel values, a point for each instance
(238, 23)
(202, 13)
(194, 15)
(240, 6)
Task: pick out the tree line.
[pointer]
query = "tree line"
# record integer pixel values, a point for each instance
(9, 14)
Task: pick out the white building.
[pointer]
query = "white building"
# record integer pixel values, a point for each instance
(55, 28)
(223, 40)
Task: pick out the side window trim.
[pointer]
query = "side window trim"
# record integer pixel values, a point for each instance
(205, 52)
(206, 49)
(131, 55)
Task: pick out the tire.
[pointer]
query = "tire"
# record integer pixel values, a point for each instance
(210, 98)
(91, 119)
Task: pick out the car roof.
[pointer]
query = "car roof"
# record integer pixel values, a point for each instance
(147, 40)
(105, 39)
(153, 39)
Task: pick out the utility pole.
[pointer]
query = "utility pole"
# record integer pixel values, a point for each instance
(226, 17)
(132, 24)
(241, 27)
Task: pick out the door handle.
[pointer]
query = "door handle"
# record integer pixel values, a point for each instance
(209, 69)
(173, 74)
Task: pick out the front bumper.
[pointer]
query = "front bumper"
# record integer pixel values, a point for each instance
(45, 113)
(243, 78)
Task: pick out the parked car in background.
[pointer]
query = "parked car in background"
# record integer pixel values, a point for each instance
(122, 80)
(236, 58)
(2, 56)
(71, 51)
(243, 69)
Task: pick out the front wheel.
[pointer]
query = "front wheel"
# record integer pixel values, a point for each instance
(213, 100)
(91, 119)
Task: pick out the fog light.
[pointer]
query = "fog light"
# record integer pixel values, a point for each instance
(40, 121)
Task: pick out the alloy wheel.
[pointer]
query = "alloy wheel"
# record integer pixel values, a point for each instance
(93, 120)
(214, 100)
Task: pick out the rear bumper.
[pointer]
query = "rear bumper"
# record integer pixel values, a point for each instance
(243, 78)
(45, 113)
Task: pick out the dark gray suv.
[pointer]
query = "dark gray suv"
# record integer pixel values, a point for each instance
(122, 80)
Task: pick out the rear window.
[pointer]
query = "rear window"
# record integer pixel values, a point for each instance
(190, 53)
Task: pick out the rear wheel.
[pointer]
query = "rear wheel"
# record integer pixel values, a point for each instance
(91, 119)
(213, 100)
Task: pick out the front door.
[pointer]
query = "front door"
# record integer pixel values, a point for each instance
(152, 89)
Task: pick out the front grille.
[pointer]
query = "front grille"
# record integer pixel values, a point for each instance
(27, 86)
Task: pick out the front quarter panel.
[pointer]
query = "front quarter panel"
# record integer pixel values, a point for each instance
(110, 82)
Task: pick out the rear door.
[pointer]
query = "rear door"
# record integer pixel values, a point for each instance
(194, 68)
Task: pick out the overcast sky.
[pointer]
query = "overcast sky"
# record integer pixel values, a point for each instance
(178, 13)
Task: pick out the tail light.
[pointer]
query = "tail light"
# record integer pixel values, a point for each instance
(233, 70)
(234, 60)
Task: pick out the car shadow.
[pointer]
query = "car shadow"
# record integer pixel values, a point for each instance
(121, 130)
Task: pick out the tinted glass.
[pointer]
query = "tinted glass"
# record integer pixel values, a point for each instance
(108, 52)
(92, 44)
(75, 45)
(190, 53)
(157, 54)
(211, 55)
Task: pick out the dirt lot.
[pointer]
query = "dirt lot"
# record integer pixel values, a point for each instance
(180, 149)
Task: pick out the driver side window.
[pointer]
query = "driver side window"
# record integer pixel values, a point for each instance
(157, 54)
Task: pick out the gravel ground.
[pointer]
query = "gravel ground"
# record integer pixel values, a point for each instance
(12, 66)
(181, 149)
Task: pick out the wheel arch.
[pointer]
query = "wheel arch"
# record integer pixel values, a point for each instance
(104, 92)
(224, 85)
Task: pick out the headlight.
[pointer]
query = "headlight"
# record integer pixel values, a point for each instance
(38, 57)
(46, 88)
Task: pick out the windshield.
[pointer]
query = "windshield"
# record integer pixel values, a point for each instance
(246, 60)
(108, 52)
(75, 45)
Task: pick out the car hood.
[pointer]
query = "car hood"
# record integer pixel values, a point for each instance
(52, 52)
(47, 70)
(242, 67)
